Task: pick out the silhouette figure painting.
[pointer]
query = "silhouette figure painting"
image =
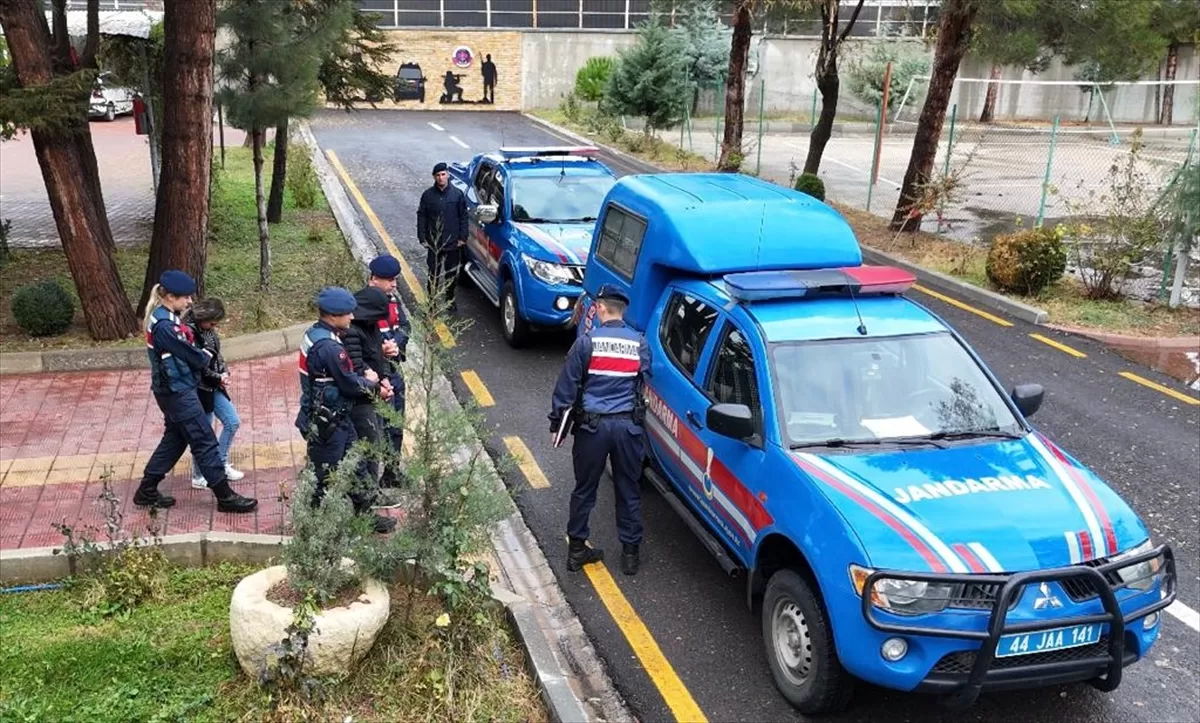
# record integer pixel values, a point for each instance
(454, 91)
(488, 69)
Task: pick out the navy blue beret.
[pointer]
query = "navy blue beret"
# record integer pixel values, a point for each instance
(439, 168)
(385, 267)
(608, 291)
(174, 281)
(336, 300)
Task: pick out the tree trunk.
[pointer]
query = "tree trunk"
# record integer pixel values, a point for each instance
(92, 45)
(78, 215)
(1168, 100)
(278, 174)
(954, 35)
(735, 89)
(989, 101)
(264, 234)
(180, 238)
(829, 84)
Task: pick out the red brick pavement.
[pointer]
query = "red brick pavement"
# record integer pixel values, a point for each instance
(58, 432)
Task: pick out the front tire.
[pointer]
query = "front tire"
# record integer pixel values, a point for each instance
(515, 329)
(800, 649)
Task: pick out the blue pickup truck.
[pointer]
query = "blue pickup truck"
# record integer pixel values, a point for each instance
(531, 213)
(839, 446)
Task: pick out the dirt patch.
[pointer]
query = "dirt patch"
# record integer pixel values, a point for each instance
(284, 595)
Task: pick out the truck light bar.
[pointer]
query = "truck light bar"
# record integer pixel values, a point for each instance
(512, 152)
(855, 280)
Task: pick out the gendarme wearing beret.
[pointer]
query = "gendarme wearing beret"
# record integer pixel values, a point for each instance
(336, 300)
(177, 283)
(385, 267)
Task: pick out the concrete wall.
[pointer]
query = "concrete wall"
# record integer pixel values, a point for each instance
(782, 68)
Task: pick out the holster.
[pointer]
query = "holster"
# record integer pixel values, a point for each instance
(325, 421)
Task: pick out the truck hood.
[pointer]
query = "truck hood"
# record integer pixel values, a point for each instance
(1006, 506)
(563, 243)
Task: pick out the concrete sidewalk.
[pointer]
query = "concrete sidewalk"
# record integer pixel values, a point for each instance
(59, 432)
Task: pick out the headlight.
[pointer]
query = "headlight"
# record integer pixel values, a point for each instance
(903, 597)
(1142, 575)
(549, 272)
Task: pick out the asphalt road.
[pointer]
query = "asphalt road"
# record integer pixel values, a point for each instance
(1146, 444)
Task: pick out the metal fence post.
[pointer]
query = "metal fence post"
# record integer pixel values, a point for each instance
(1046, 178)
(946, 167)
(874, 156)
(1170, 252)
(762, 92)
(812, 114)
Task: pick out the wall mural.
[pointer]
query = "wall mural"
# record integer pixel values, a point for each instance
(456, 70)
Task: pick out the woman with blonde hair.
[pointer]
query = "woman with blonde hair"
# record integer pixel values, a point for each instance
(175, 368)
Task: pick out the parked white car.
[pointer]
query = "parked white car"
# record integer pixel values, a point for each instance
(109, 100)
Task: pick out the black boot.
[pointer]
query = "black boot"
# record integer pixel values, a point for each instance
(579, 554)
(230, 501)
(147, 495)
(383, 525)
(629, 559)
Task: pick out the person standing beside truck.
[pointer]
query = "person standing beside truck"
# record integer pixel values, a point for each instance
(601, 388)
(442, 230)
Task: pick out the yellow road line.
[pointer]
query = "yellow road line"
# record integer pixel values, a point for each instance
(1160, 388)
(406, 271)
(965, 307)
(677, 697)
(475, 384)
(1060, 346)
(529, 466)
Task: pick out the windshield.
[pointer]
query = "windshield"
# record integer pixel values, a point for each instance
(878, 389)
(559, 198)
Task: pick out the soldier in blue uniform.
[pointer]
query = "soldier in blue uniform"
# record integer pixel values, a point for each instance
(328, 387)
(601, 387)
(395, 330)
(175, 368)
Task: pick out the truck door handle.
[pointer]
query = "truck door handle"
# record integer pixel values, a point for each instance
(694, 419)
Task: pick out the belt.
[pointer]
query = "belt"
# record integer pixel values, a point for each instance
(611, 415)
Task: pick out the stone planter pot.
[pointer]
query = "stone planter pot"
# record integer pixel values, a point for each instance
(342, 637)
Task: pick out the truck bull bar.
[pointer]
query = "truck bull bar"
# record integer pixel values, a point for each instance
(1011, 587)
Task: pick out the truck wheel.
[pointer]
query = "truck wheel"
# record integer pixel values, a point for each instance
(515, 329)
(800, 649)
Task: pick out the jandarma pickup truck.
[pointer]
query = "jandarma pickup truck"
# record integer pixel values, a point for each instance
(893, 513)
(531, 213)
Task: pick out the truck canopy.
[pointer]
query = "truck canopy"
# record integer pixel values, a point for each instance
(657, 227)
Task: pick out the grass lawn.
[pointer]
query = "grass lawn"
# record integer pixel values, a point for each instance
(1064, 301)
(171, 660)
(307, 252)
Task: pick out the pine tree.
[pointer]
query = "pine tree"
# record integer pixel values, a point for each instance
(350, 72)
(651, 79)
(706, 42)
(271, 69)
(1178, 21)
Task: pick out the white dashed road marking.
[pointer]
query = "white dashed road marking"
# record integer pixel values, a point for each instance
(435, 126)
(1185, 614)
(464, 145)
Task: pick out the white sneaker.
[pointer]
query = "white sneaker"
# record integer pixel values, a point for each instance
(232, 474)
(199, 483)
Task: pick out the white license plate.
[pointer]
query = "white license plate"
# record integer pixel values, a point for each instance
(1046, 640)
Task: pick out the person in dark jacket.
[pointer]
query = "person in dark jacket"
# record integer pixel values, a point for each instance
(442, 229)
(364, 343)
(204, 317)
(394, 330)
(175, 367)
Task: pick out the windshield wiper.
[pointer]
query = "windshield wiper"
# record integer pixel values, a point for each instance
(975, 434)
(836, 443)
(581, 219)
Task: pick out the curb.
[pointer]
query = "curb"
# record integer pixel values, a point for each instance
(571, 678)
(235, 348)
(1146, 343)
(941, 281)
(951, 285)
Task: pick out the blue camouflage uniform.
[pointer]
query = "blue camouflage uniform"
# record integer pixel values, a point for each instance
(328, 388)
(175, 369)
(601, 384)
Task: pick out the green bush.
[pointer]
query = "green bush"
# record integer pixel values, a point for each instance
(43, 308)
(302, 177)
(592, 78)
(811, 184)
(570, 107)
(1027, 261)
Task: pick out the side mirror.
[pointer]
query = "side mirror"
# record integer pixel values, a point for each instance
(731, 420)
(1028, 398)
(486, 212)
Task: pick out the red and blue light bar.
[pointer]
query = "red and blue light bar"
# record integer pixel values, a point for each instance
(849, 281)
(528, 152)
